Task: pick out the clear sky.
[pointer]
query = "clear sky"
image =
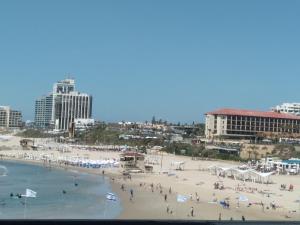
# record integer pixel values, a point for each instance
(172, 59)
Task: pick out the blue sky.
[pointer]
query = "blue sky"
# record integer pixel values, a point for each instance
(172, 59)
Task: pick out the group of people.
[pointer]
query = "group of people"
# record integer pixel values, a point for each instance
(197, 197)
(283, 187)
(225, 204)
(165, 194)
(218, 186)
(243, 188)
(15, 195)
(130, 192)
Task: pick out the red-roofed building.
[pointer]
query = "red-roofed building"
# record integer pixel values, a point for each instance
(249, 123)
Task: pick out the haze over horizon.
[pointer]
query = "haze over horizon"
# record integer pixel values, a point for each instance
(172, 59)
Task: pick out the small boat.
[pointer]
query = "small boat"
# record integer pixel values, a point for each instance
(111, 197)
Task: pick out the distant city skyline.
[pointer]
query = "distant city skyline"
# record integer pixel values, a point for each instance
(174, 60)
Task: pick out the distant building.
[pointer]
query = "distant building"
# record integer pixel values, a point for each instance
(62, 107)
(10, 118)
(246, 123)
(290, 108)
(176, 138)
(83, 124)
(43, 111)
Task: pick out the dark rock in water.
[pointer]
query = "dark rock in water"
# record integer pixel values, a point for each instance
(11, 195)
(64, 192)
(76, 184)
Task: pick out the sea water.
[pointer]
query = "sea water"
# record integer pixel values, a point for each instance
(86, 200)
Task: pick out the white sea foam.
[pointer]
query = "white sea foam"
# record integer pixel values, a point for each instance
(3, 171)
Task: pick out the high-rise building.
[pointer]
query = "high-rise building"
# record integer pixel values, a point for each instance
(10, 118)
(69, 107)
(43, 111)
(63, 106)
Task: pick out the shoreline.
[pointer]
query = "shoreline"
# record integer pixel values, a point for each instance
(151, 205)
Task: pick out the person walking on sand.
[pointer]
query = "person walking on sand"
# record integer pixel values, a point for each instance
(220, 216)
(166, 197)
(131, 193)
(192, 211)
(262, 206)
(198, 199)
(170, 190)
(243, 219)
(168, 208)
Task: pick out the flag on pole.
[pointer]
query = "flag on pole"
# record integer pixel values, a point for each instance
(30, 194)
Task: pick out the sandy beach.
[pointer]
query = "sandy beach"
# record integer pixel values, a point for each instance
(195, 180)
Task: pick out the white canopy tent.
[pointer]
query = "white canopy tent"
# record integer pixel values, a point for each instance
(248, 174)
(178, 165)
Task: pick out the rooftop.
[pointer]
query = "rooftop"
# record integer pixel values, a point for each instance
(242, 112)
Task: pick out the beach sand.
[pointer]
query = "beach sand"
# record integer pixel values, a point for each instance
(194, 179)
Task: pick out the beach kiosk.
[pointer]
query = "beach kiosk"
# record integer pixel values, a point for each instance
(27, 144)
(132, 160)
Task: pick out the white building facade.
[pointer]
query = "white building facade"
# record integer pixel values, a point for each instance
(289, 108)
(10, 118)
(66, 106)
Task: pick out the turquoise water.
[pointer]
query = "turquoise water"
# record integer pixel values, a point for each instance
(85, 201)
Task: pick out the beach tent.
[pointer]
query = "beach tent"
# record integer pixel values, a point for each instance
(5, 138)
(224, 171)
(178, 165)
(240, 174)
(260, 177)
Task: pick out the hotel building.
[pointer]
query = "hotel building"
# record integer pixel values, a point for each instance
(63, 106)
(10, 118)
(247, 123)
